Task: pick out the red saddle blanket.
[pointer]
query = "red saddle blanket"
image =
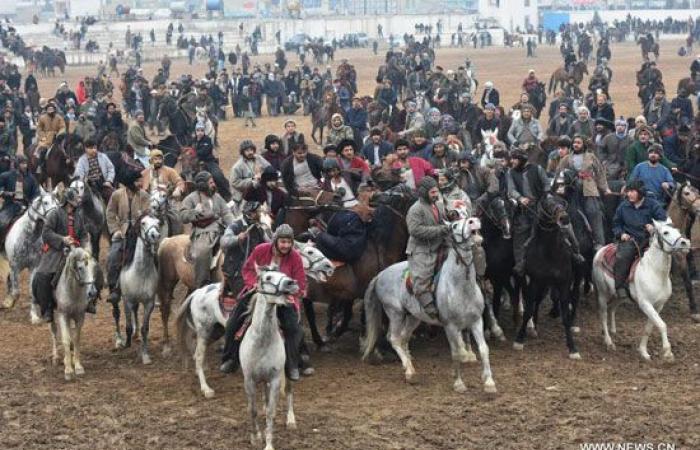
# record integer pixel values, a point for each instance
(608, 262)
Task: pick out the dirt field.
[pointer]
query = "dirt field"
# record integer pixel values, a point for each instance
(544, 400)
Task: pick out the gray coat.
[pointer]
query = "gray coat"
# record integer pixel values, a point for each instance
(212, 207)
(55, 229)
(516, 130)
(425, 234)
(242, 177)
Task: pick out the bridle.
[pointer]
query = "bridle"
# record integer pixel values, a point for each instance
(551, 218)
(672, 245)
(277, 287)
(78, 278)
(34, 214)
(145, 232)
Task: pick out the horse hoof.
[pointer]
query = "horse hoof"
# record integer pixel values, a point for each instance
(576, 330)
(167, 351)
(411, 378)
(325, 348)
(68, 376)
(208, 393)
(459, 387)
(695, 318)
(575, 356)
(610, 347)
(645, 355)
(668, 357)
(9, 302)
(291, 425)
(490, 387)
(532, 333)
(34, 318)
(146, 360)
(79, 371)
(500, 336)
(269, 447)
(518, 346)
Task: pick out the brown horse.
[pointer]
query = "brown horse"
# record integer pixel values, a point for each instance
(321, 114)
(58, 166)
(304, 207)
(174, 267)
(647, 47)
(683, 212)
(560, 75)
(386, 245)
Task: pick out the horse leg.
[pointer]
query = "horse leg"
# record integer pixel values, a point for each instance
(147, 311)
(79, 369)
(199, 355)
(567, 317)
(477, 330)
(603, 299)
(272, 397)
(496, 330)
(534, 293)
(12, 287)
(688, 285)
(345, 321)
(165, 317)
(396, 332)
(129, 322)
(116, 314)
(54, 343)
(460, 355)
(291, 419)
(652, 312)
(63, 325)
(135, 320)
(313, 327)
(249, 386)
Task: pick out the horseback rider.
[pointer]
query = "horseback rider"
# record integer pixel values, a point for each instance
(97, 169)
(427, 231)
(342, 183)
(479, 183)
(591, 174)
(18, 188)
(245, 174)
(50, 126)
(342, 238)
(632, 226)
(136, 138)
(126, 205)
(206, 158)
(280, 252)
(160, 177)
(656, 177)
(569, 61)
(208, 213)
(64, 228)
(237, 242)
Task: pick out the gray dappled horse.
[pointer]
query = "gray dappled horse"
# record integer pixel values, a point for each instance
(460, 305)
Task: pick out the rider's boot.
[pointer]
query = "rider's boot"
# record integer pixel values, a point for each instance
(427, 301)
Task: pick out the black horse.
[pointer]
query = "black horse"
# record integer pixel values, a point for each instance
(498, 246)
(179, 123)
(549, 265)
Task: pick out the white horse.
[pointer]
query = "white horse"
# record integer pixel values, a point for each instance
(422, 103)
(75, 286)
(138, 279)
(650, 287)
(200, 313)
(23, 246)
(460, 305)
(203, 118)
(262, 351)
(489, 138)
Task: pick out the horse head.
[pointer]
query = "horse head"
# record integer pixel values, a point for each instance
(79, 187)
(316, 265)
(275, 284)
(552, 212)
(689, 198)
(81, 267)
(158, 202)
(669, 238)
(43, 204)
(465, 230)
(149, 229)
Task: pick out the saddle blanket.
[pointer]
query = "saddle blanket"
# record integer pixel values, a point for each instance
(408, 281)
(608, 262)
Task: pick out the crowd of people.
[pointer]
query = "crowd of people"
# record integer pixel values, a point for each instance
(425, 124)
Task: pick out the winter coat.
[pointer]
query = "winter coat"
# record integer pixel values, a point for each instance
(118, 216)
(345, 237)
(55, 229)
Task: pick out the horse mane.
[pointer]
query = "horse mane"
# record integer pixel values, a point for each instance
(130, 240)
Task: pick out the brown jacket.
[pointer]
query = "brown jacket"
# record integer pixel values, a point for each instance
(118, 217)
(592, 173)
(47, 128)
(167, 178)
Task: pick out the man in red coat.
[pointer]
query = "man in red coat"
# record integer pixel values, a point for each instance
(281, 253)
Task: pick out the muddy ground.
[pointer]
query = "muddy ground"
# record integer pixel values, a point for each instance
(544, 400)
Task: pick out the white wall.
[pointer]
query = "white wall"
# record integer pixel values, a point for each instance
(644, 14)
(510, 13)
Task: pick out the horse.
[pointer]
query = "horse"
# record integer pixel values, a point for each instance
(302, 208)
(460, 305)
(321, 114)
(170, 224)
(262, 354)
(22, 247)
(179, 123)
(538, 98)
(138, 279)
(498, 245)
(548, 264)
(200, 316)
(387, 237)
(489, 138)
(689, 85)
(57, 165)
(648, 47)
(75, 286)
(650, 286)
(683, 212)
(561, 75)
(94, 213)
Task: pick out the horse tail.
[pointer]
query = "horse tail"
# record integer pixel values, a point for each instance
(184, 325)
(373, 319)
(551, 82)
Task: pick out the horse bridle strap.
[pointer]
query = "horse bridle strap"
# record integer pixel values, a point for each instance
(277, 287)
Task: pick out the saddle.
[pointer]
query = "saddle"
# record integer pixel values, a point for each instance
(408, 279)
(608, 262)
